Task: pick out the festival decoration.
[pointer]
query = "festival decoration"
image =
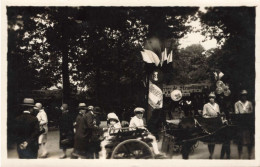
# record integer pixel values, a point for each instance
(221, 86)
(176, 95)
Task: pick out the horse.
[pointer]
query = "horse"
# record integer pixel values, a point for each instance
(189, 130)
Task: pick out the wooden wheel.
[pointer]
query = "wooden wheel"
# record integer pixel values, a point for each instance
(132, 149)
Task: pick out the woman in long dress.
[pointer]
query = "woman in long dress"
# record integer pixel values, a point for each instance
(211, 110)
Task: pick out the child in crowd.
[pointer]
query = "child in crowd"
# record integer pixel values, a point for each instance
(113, 127)
(138, 122)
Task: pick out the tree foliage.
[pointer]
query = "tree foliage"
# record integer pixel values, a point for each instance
(235, 28)
(102, 46)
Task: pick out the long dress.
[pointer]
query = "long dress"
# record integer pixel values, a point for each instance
(66, 130)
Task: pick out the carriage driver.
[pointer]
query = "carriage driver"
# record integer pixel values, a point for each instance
(137, 122)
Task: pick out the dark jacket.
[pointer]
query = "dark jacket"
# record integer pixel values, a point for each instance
(27, 129)
(85, 126)
(66, 129)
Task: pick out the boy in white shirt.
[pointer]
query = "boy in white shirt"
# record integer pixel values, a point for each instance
(138, 122)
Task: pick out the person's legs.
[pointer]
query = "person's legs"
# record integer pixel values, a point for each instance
(64, 154)
(239, 148)
(249, 150)
(43, 150)
(103, 152)
(223, 151)
(154, 144)
(228, 150)
(211, 150)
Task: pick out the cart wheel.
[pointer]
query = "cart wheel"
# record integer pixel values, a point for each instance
(132, 149)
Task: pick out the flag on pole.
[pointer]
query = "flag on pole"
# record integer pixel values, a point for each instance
(150, 57)
(169, 59)
(164, 56)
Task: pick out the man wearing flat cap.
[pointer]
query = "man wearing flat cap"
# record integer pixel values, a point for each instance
(27, 131)
(138, 122)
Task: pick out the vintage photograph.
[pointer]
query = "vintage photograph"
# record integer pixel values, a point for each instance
(93, 82)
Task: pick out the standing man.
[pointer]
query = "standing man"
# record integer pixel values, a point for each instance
(245, 135)
(97, 133)
(211, 110)
(92, 129)
(27, 131)
(43, 121)
(66, 130)
(81, 140)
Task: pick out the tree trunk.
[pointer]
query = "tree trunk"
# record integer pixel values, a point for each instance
(65, 77)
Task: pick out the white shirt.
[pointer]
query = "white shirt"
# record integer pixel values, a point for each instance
(136, 122)
(43, 120)
(243, 108)
(210, 110)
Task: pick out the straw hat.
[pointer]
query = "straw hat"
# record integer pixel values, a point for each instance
(139, 109)
(243, 92)
(212, 95)
(28, 102)
(38, 106)
(82, 106)
(90, 108)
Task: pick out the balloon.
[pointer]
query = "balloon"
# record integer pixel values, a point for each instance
(227, 93)
(220, 84)
(219, 90)
(176, 95)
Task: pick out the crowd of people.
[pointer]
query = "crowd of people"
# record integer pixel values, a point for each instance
(89, 140)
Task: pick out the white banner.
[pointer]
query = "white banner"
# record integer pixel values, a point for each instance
(185, 89)
(155, 96)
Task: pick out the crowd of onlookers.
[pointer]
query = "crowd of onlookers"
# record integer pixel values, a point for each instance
(88, 140)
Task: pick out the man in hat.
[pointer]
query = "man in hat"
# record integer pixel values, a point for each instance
(43, 121)
(66, 130)
(243, 106)
(97, 133)
(92, 126)
(27, 131)
(245, 136)
(85, 125)
(211, 110)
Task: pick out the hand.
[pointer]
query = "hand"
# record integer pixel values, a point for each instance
(125, 124)
(23, 145)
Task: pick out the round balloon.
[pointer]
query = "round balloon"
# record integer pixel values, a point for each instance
(219, 90)
(220, 84)
(227, 93)
(176, 95)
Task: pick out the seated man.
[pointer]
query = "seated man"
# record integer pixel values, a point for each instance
(113, 127)
(137, 122)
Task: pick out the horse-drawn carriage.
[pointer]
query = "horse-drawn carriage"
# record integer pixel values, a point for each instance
(128, 143)
(180, 136)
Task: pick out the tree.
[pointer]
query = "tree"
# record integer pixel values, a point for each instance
(93, 49)
(234, 27)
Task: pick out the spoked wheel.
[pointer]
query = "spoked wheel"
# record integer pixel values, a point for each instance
(132, 149)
